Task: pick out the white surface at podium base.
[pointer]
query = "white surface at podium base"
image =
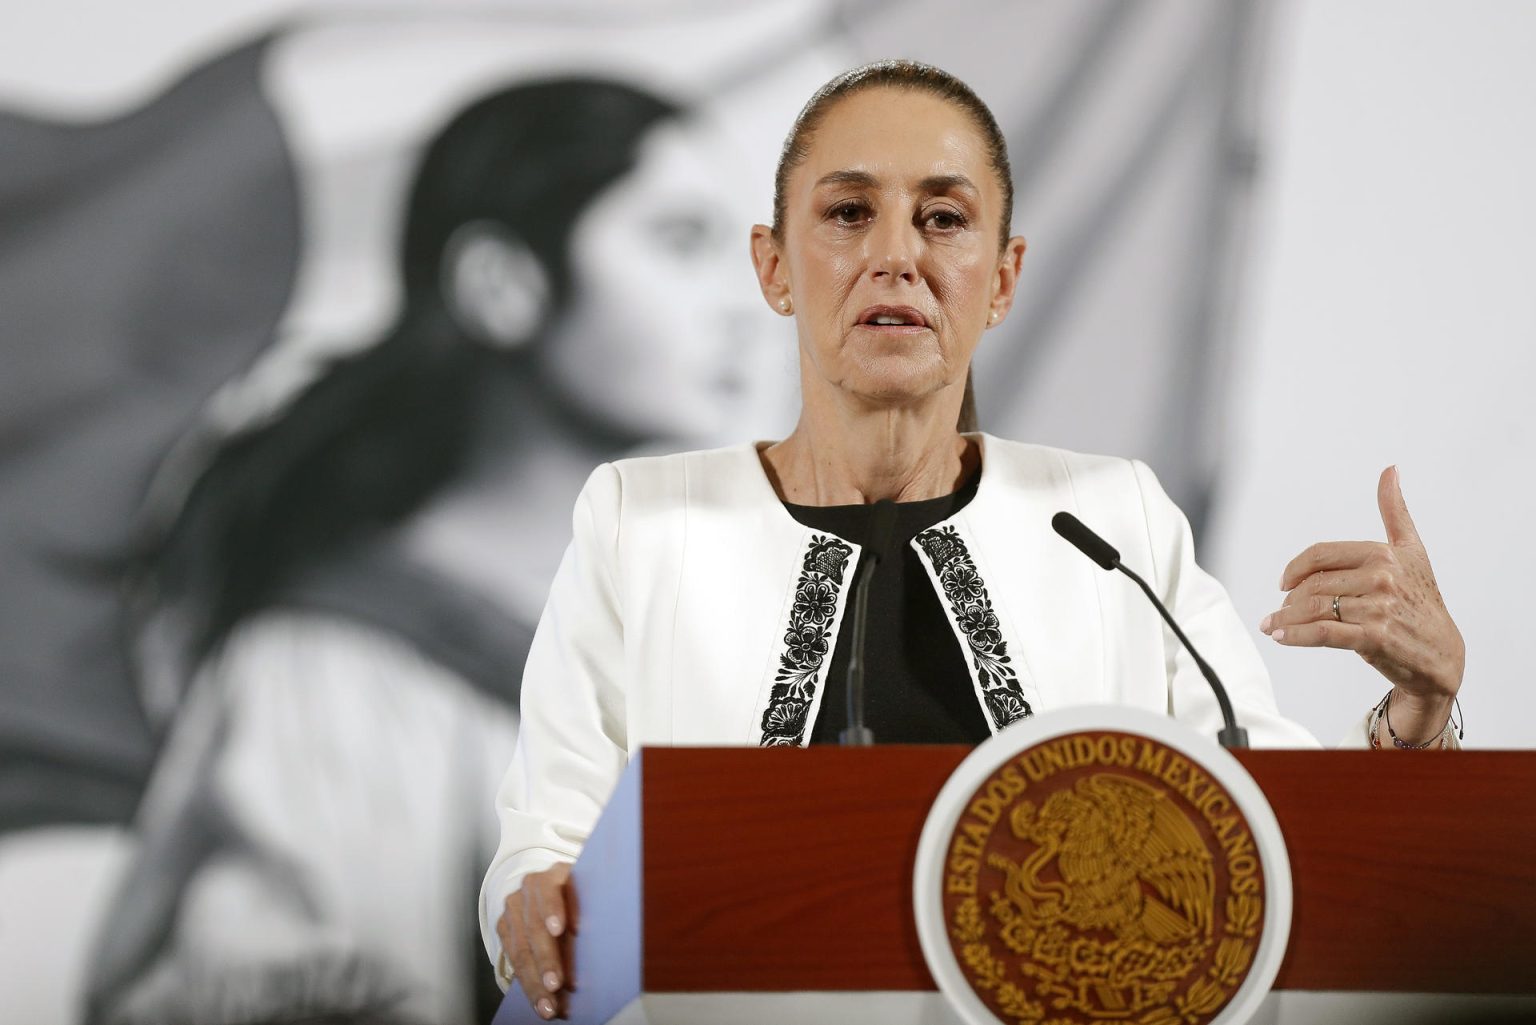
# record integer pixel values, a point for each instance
(810, 1008)
(928, 1008)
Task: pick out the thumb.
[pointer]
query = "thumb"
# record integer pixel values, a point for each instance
(1394, 511)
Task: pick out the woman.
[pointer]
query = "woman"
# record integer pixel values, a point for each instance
(703, 595)
(351, 586)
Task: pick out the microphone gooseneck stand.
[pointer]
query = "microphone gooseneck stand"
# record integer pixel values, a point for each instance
(882, 524)
(1103, 553)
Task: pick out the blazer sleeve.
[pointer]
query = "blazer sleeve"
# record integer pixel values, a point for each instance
(1202, 608)
(572, 742)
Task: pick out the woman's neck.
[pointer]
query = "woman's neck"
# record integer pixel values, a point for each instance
(853, 457)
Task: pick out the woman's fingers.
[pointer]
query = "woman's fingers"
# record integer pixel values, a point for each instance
(519, 955)
(1325, 634)
(530, 922)
(527, 974)
(1394, 510)
(544, 920)
(507, 932)
(1328, 555)
(1370, 581)
(572, 922)
(1378, 599)
(1298, 609)
(556, 899)
(1309, 621)
(1373, 578)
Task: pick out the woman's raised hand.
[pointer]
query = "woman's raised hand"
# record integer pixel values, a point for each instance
(535, 928)
(1380, 600)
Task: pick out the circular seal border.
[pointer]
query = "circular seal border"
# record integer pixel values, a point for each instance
(944, 815)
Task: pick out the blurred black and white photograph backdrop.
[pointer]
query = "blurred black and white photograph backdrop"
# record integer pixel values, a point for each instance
(315, 317)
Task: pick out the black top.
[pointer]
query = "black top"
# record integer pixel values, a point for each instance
(917, 689)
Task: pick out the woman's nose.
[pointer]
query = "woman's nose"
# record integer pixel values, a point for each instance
(893, 253)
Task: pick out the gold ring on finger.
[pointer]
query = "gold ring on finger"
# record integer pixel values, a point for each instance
(1336, 609)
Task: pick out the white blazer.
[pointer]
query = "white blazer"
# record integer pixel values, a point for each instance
(691, 608)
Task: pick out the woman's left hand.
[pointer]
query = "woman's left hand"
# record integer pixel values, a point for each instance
(1381, 601)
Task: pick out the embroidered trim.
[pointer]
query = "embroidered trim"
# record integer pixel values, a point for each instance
(971, 609)
(806, 641)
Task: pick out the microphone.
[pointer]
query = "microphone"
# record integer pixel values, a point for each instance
(1103, 553)
(882, 525)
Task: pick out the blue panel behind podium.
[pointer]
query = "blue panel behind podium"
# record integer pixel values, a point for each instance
(607, 962)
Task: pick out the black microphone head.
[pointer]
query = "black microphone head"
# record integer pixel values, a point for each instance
(1085, 540)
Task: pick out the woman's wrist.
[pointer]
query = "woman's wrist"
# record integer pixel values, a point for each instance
(1408, 721)
(1418, 718)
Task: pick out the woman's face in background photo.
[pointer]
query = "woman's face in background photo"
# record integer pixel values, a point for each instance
(664, 337)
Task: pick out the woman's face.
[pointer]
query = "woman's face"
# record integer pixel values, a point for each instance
(889, 252)
(663, 338)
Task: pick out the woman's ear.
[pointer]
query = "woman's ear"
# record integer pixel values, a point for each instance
(1006, 283)
(496, 289)
(772, 278)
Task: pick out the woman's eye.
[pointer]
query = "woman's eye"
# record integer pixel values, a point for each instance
(946, 220)
(848, 213)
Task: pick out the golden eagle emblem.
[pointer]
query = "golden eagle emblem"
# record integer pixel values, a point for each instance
(1078, 894)
(1107, 836)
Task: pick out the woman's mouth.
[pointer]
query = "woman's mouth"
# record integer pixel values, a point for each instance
(899, 319)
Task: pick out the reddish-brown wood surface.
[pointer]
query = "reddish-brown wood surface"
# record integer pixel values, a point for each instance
(785, 869)
(1411, 871)
(792, 869)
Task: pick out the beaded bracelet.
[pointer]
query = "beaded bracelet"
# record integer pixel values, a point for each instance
(1383, 711)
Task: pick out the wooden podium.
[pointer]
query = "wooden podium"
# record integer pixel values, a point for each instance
(778, 883)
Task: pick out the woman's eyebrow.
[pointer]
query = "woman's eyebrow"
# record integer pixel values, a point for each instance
(938, 184)
(934, 184)
(862, 179)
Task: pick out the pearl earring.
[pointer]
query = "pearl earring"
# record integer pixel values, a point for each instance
(784, 305)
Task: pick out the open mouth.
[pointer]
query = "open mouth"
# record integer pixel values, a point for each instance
(892, 317)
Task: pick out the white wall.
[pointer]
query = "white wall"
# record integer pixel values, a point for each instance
(1392, 319)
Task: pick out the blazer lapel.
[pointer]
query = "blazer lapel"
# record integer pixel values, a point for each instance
(988, 642)
(1046, 596)
(792, 687)
(759, 605)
